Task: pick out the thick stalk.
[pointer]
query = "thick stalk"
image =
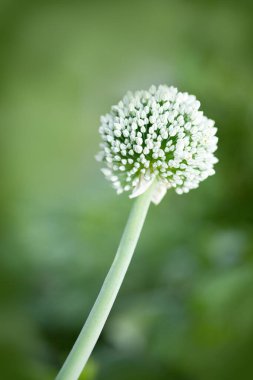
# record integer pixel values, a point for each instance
(90, 332)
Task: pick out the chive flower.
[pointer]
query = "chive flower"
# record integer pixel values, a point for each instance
(157, 134)
(151, 141)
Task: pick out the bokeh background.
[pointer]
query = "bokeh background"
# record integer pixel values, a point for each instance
(185, 311)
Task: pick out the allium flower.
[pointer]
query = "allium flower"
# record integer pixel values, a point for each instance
(152, 140)
(161, 135)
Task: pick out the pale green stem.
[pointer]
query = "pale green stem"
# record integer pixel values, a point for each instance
(88, 337)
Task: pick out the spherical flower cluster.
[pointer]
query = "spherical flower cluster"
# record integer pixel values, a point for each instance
(160, 135)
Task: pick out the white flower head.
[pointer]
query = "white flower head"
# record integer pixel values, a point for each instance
(161, 135)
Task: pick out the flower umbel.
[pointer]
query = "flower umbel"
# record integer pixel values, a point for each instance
(152, 140)
(161, 135)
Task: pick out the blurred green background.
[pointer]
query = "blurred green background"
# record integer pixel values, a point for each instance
(185, 311)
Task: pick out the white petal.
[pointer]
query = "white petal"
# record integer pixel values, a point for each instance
(141, 187)
(159, 191)
(107, 172)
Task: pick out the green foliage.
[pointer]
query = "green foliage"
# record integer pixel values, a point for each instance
(185, 311)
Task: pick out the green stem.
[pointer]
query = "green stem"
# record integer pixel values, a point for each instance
(88, 337)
